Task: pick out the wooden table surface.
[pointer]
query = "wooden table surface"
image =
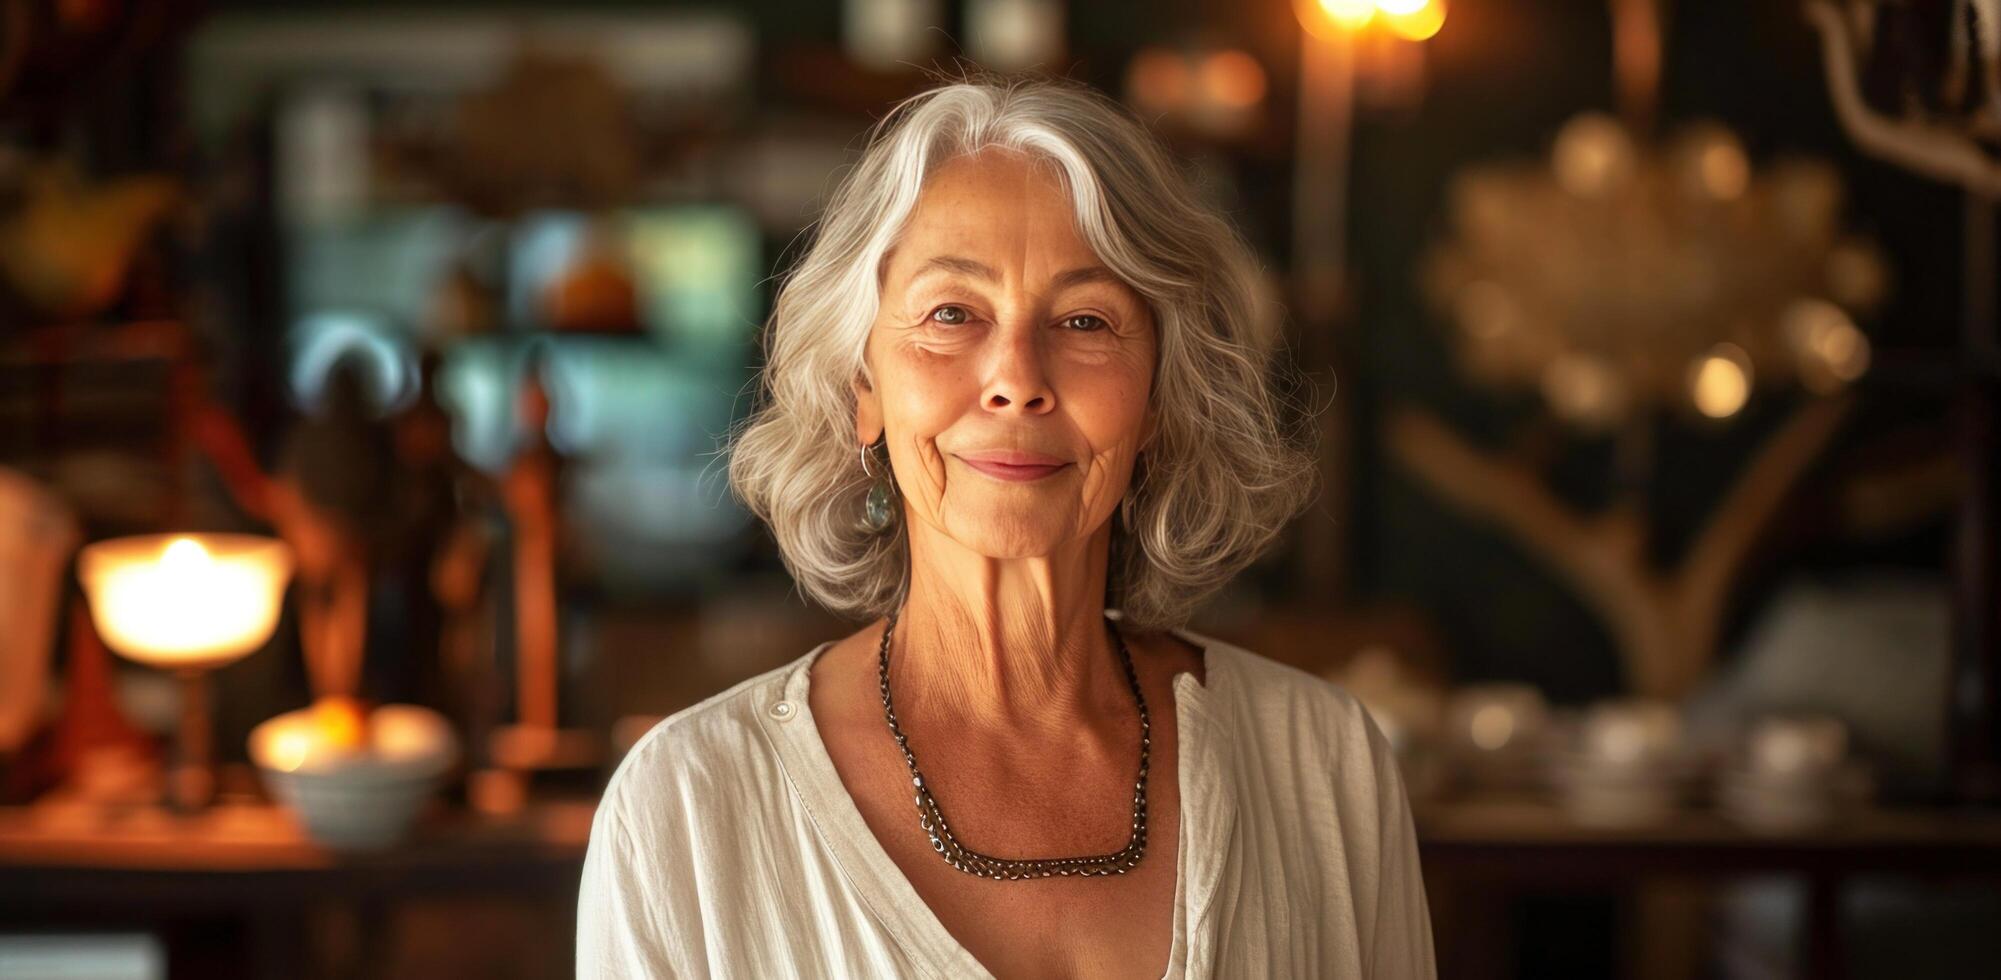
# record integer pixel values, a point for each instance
(240, 891)
(1532, 837)
(252, 862)
(260, 839)
(1481, 855)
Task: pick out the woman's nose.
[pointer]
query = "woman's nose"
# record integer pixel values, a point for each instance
(1016, 381)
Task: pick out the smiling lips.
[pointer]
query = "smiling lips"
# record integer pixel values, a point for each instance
(1014, 466)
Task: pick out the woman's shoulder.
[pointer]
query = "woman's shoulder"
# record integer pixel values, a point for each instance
(1255, 677)
(700, 753)
(1275, 701)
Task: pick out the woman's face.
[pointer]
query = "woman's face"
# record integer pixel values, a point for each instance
(1012, 369)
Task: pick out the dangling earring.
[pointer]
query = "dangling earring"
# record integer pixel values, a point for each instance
(877, 509)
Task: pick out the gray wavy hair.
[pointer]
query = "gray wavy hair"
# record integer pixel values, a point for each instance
(1224, 471)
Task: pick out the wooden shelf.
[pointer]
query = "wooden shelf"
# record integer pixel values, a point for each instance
(46, 839)
(241, 891)
(1529, 838)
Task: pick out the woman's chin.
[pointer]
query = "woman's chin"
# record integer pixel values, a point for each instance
(1025, 532)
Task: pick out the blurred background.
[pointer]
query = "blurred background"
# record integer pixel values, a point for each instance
(366, 368)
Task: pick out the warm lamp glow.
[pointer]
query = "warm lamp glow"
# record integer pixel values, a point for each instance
(1832, 352)
(1711, 163)
(1413, 20)
(1593, 156)
(1159, 79)
(1584, 389)
(1725, 172)
(1720, 382)
(1233, 79)
(340, 722)
(1492, 726)
(1349, 13)
(1328, 19)
(392, 737)
(1336, 20)
(185, 600)
(289, 749)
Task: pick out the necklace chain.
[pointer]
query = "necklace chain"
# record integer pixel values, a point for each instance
(972, 862)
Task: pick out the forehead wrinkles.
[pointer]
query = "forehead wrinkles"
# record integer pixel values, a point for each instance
(1013, 218)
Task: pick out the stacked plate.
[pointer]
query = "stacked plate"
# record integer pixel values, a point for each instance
(1623, 765)
(1791, 773)
(1597, 794)
(1495, 735)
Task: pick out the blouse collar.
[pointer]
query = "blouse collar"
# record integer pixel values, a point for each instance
(1208, 812)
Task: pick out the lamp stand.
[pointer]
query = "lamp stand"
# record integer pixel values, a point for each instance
(191, 779)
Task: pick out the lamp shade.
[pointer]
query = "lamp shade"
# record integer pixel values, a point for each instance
(185, 600)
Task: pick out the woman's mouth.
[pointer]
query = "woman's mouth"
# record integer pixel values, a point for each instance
(1013, 466)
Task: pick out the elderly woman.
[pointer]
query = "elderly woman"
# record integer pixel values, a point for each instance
(1016, 411)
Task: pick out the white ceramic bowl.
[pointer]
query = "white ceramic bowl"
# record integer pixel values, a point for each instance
(356, 799)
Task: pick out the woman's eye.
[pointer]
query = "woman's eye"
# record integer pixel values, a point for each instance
(1084, 322)
(951, 315)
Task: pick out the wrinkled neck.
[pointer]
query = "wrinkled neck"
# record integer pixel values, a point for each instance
(1017, 644)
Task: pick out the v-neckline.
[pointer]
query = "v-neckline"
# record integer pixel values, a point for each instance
(1206, 814)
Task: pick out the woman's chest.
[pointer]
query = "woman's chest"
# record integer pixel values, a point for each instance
(1118, 925)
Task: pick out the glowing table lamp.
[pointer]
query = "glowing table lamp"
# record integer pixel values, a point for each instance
(187, 603)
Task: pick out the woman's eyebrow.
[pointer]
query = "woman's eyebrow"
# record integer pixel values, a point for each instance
(1089, 273)
(958, 265)
(975, 269)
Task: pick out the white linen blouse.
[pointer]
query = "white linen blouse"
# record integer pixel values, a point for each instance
(726, 844)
